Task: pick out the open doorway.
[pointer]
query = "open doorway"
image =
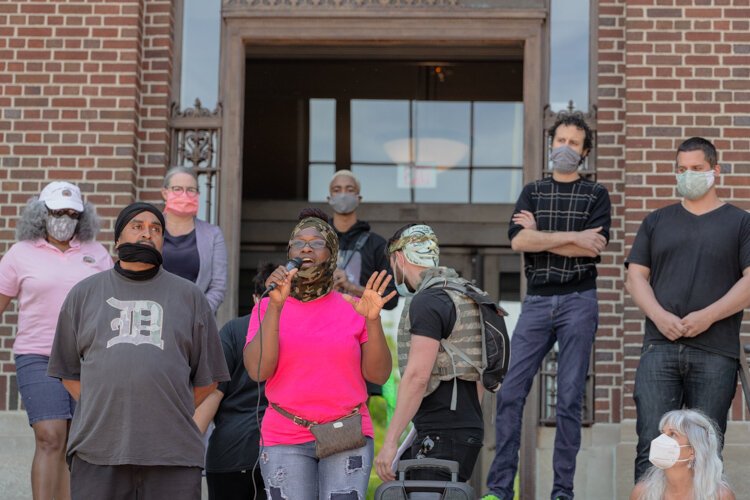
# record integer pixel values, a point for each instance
(436, 140)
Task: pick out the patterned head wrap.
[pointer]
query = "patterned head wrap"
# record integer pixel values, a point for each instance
(310, 284)
(419, 244)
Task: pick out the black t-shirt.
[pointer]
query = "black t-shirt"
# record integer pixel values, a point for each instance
(694, 260)
(433, 314)
(562, 206)
(234, 443)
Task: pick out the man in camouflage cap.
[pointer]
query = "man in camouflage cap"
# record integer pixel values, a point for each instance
(444, 406)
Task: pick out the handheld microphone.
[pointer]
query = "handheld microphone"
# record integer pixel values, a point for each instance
(291, 264)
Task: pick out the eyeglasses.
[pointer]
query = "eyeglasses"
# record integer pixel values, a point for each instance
(64, 211)
(191, 191)
(313, 244)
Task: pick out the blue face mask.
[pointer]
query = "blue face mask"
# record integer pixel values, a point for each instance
(401, 288)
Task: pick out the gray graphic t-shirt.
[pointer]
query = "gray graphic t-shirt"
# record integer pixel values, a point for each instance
(138, 348)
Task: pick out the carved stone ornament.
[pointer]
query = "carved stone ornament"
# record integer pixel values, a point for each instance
(197, 147)
(339, 3)
(197, 111)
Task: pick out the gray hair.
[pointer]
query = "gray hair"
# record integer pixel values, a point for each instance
(33, 222)
(703, 437)
(179, 170)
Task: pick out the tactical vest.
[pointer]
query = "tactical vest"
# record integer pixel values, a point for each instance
(466, 334)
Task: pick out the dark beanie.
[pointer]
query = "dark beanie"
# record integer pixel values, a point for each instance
(131, 211)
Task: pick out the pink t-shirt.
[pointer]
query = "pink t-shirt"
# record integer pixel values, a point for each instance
(319, 373)
(40, 277)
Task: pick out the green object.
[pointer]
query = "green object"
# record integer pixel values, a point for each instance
(491, 497)
(390, 392)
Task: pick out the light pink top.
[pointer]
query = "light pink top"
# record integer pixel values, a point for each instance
(40, 277)
(319, 373)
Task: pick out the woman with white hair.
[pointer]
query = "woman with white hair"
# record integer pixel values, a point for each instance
(55, 250)
(686, 463)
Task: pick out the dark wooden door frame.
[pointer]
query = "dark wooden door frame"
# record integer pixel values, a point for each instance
(247, 27)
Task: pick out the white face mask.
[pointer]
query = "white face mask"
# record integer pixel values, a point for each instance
(665, 452)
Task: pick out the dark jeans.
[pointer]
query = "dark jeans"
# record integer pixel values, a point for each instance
(235, 485)
(672, 376)
(460, 445)
(571, 320)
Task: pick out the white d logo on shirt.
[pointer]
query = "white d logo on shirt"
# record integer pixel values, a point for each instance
(137, 316)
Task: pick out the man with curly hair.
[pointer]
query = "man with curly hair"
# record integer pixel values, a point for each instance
(561, 224)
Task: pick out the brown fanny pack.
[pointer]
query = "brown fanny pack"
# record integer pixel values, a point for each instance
(332, 437)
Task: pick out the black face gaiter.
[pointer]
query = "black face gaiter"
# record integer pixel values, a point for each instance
(132, 252)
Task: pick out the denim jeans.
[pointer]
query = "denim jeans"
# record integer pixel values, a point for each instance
(672, 376)
(460, 445)
(293, 472)
(571, 320)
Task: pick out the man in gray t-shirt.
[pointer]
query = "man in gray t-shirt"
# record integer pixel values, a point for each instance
(138, 348)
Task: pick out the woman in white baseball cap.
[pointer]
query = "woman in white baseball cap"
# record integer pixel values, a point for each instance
(55, 250)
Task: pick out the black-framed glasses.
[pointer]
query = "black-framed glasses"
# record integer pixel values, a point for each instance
(73, 214)
(191, 191)
(315, 244)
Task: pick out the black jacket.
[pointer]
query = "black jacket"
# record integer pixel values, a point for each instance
(372, 254)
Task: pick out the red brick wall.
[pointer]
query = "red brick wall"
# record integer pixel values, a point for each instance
(610, 172)
(687, 73)
(85, 88)
(84, 94)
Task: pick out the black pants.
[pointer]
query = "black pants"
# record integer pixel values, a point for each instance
(460, 445)
(131, 482)
(235, 485)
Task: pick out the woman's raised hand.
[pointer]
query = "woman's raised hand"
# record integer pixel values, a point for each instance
(372, 300)
(283, 281)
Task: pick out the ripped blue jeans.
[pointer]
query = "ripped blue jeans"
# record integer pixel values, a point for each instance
(293, 472)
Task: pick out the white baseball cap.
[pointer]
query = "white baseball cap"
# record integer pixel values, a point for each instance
(58, 195)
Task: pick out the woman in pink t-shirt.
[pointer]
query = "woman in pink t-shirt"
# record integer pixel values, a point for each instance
(316, 350)
(55, 250)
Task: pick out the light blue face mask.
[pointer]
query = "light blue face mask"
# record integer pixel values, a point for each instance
(693, 185)
(402, 288)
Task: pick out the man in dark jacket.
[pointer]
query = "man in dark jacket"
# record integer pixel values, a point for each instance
(361, 252)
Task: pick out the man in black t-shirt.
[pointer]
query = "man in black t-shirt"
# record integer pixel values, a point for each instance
(689, 272)
(561, 224)
(430, 316)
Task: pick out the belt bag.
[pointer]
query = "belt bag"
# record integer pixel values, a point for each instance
(332, 437)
